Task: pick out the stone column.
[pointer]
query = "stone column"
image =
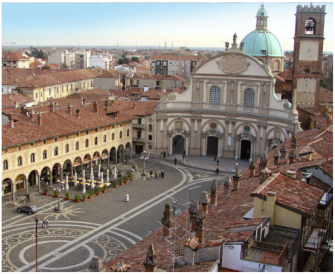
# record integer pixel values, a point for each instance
(258, 140)
(38, 182)
(199, 133)
(203, 146)
(165, 136)
(219, 146)
(13, 190)
(236, 149)
(252, 142)
(226, 135)
(192, 138)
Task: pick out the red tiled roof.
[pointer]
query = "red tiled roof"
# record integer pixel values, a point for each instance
(325, 96)
(287, 74)
(8, 100)
(10, 56)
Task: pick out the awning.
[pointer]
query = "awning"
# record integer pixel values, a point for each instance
(76, 164)
(95, 158)
(104, 156)
(86, 161)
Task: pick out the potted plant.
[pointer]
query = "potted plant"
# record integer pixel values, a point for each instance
(56, 193)
(98, 190)
(84, 197)
(116, 183)
(45, 191)
(104, 189)
(77, 198)
(131, 176)
(126, 179)
(119, 173)
(90, 194)
(67, 196)
(121, 181)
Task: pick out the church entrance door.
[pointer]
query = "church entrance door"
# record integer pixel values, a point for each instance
(178, 144)
(212, 146)
(245, 150)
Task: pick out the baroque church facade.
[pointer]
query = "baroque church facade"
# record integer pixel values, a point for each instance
(231, 108)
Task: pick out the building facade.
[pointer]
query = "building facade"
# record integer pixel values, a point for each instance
(15, 60)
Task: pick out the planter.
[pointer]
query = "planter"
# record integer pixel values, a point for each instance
(116, 186)
(104, 191)
(45, 194)
(68, 199)
(99, 193)
(56, 196)
(126, 182)
(121, 184)
(90, 197)
(84, 200)
(131, 179)
(76, 201)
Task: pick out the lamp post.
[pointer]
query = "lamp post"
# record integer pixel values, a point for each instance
(59, 188)
(36, 221)
(144, 156)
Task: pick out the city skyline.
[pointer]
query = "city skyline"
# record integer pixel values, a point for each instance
(148, 24)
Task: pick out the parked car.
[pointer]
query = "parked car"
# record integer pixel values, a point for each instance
(30, 209)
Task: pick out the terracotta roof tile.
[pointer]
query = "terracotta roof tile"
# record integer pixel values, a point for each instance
(9, 100)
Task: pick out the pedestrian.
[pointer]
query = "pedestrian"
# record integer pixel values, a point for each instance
(159, 173)
(163, 173)
(175, 161)
(164, 154)
(126, 198)
(156, 174)
(126, 160)
(161, 154)
(217, 162)
(45, 222)
(217, 170)
(28, 198)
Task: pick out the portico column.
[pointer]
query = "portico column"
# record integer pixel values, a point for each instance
(203, 146)
(130, 148)
(258, 140)
(115, 156)
(219, 146)
(13, 191)
(38, 182)
(226, 135)
(170, 145)
(236, 149)
(187, 144)
(26, 186)
(251, 150)
(198, 137)
(165, 143)
(192, 145)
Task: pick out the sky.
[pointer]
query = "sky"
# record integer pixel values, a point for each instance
(191, 24)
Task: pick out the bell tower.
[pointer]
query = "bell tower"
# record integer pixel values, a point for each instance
(308, 49)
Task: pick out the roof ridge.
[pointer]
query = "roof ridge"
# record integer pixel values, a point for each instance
(265, 184)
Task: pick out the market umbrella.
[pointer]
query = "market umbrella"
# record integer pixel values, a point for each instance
(84, 181)
(75, 179)
(107, 176)
(92, 178)
(99, 171)
(67, 183)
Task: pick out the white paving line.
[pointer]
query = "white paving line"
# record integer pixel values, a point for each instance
(194, 187)
(93, 232)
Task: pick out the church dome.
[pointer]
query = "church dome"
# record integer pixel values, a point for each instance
(257, 41)
(262, 11)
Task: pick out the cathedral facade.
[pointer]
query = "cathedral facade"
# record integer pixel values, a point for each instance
(230, 110)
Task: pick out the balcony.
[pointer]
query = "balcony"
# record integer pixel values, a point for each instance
(138, 126)
(138, 140)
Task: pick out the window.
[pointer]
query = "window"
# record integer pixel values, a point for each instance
(127, 132)
(19, 161)
(310, 26)
(86, 143)
(96, 130)
(44, 142)
(249, 97)
(67, 88)
(139, 133)
(56, 151)
(105, 138)
(120, 134)
(112, 136)
(150, 137)
(96, 140)
(150, 128)
(5, 165)
(45, 155)
(214, 95)
(86, 132)
(276, 66)
(150, 146)
(19, 148)
(67, 148)
(77, 145)
(32, 158)
(49, 91)
(139, 121)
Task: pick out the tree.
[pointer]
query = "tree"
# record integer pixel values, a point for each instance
(135, 59)
(123, 61)
(63, 65)
(324, 82)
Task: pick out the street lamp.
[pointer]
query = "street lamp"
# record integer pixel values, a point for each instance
(144, 156)
(59, 188)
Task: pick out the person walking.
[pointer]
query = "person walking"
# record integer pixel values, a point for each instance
(126, 198)
(161, 154)
(175, 161)
(163, 173)
(164, 154)
(217, 170)
(45, 222)
(217, 162)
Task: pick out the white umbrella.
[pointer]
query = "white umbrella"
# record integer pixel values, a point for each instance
(107, 176)
(67, 183)
(84, 181)
(102, 180)
(75, 179)
(99, 171)
(92, 178)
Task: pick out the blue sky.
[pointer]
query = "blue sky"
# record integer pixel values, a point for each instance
(106, 24)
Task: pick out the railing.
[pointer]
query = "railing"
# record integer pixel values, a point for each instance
(283, 254)
(138, 126)
(138, 139)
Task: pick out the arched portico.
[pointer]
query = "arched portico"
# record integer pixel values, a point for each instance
(105, 157)
(33, 179)
(120, 153)
(20, 183)
(56, 173)
(67, 168)
(128, 150)
(96, 158)
(212, 143)
(244, 142)
(77, 165)
(46, 176)
(87, 162)
(7, 187)
(182, 141)
(113, 155)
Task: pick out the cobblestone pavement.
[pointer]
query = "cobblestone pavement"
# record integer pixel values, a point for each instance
(103, 226)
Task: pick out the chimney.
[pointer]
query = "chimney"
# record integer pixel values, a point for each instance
(265, 174)
(84, 101)
(283, 151)
(193, 214)
(252, 168)
(96, 265)
(200, 229)
(264, 161)
(167, 220)
(236, 179)
(294, 142)
(16, 104)
(150, 263)
(292, 174)
(292, 156)
(307, 176)
(78, 112)
(270, 205)
(40, 118)
(204, 200)
(227, 186)
(95, 106)
(11, 120)
(69, 108)
(276, 156)
(31, 114)
(52, 107)
(23, 110)
(214, 193)
(107, 105)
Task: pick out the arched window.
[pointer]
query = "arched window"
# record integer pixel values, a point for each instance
(96, 140)
(150, 128)
(86, 143)
(249, 97)
(19, 161)
(310, 26)
(32, 158)
(276, 66)
(5, 165)
(105, 138)
(67, 148)
(214, 95)
(120, 134)
(113, 136)
(56, 151)
(127, 132)
(77, 145)
(45, 154)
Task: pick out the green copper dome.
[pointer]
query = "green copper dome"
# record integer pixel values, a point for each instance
(262, 12)
(257, 40)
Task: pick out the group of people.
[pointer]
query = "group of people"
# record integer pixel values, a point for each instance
(158, 173)
(217, 165)
(163, 154)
